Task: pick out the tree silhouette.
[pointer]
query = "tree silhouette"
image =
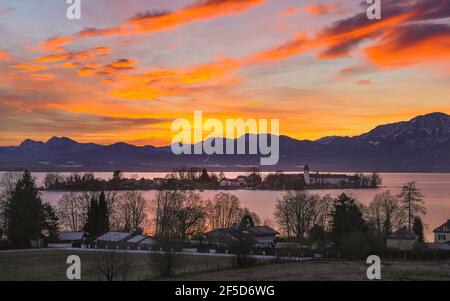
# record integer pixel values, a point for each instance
(412, 199)
(25, 212)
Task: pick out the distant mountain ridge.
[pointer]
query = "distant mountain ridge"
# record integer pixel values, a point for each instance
(419, 145)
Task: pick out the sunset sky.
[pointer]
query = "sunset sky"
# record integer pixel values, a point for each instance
(128, 68)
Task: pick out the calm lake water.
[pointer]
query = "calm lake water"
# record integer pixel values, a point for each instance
(435, 187)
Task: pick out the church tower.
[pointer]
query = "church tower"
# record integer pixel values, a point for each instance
(306, 175)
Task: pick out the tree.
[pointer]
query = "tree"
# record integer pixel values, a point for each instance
(346, 217)
(204, 177)
(25, 211)
(384, 213)
(112, 265)
(91, 226)
(8, 183)
(190, 216)
(317, 235)
(297, 213)
(72, 211)
(98, 220)
(223, 211)
(412, 199)
(178, 214)
(103, 214)
(50, 221)
(375, 180)
(418, 228)
(132, 206)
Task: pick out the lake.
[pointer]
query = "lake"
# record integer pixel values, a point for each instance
(434, 186)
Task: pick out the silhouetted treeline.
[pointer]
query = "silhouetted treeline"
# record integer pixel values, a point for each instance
(195, 178)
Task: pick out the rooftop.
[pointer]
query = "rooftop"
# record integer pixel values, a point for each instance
(444, 228)
(403, 234)
(114, 236)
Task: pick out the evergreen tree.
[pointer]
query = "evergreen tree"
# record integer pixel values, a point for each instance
(50, 221)
(98, 219)
(103, 218)
(92, 218)
(346, 218)
(417, 228)
(412, 199)
(25, 212)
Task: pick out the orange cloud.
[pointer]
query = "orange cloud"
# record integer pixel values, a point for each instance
(323, 9)
(411, 45)
(174, 82)
(4, 56)
(151, 22)
(29, 67)
(364, 82)
(76, 56)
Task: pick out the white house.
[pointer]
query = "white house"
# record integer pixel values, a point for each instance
(442, 233)
(229, 183)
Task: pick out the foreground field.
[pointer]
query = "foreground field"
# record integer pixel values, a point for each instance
(330, 271)
(50, 265)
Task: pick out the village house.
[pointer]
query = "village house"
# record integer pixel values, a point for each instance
(258, 236)
(442, 233)
(112, 240)
(147, 243)
(403, 239)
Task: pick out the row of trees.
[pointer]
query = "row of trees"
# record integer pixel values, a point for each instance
(184, 214)
(307, 217)
(177, 214)
(99, 212)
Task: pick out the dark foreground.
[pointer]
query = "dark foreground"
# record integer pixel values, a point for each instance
(50, 265)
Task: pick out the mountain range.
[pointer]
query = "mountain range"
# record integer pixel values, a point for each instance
(419, 145)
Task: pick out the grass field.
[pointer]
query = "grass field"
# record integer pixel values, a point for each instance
(51, 265)
(330, 271)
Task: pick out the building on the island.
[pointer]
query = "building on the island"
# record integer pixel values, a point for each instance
(442, 233)
(160, 181)
(402, 239)
(306, 175)
(257, 236)
(229, 183)
(254, 180)
(242, 180)
(332, 179)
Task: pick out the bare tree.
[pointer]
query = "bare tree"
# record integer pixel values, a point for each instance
(297, 213)
(132, 211)
(223, 211)
(178, 214)
(7, 186)
(112, 264)
(384, 213)
(72, 211)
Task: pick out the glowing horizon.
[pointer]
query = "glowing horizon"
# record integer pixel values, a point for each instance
(126, 70)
